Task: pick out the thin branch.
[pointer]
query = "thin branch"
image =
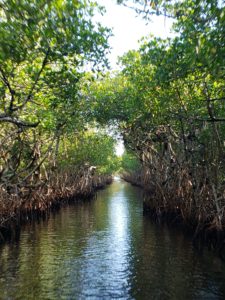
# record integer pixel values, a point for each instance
(38, 76)
(41, 162)
(32, 89)
(11, 90)
(214, 99)
(13, 120)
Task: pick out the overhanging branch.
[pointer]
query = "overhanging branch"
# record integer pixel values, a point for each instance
(15, 121)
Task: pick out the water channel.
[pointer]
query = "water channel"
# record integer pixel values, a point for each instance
(106, 249)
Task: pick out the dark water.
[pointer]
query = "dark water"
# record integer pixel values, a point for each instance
(106, 249)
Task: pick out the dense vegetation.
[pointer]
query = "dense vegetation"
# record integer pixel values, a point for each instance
(49, 147)
(168, 102)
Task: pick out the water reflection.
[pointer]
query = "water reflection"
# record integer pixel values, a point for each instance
(106, 249)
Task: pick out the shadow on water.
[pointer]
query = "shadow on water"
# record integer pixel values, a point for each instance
(106, 249)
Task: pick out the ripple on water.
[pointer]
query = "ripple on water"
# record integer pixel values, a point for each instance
(106, 249)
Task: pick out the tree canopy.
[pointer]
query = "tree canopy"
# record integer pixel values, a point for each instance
(44, 49)
(168, 103)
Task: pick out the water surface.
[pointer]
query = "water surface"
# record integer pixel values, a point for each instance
(106, 249)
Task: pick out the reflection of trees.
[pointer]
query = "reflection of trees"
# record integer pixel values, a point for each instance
(38, 263)
(167, 268)
(81, 246)
(48, 250)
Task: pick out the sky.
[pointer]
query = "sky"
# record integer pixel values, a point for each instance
(128, 29)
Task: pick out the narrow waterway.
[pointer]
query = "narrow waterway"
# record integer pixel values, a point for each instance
(106, 249)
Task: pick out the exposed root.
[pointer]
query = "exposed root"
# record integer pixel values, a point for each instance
(201, 209)
(35, 203)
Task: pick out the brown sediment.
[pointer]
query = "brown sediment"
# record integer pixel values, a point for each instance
(177, 204)
(32, 204)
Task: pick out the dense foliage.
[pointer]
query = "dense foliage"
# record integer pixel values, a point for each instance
(44, 46)
(168, 103)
